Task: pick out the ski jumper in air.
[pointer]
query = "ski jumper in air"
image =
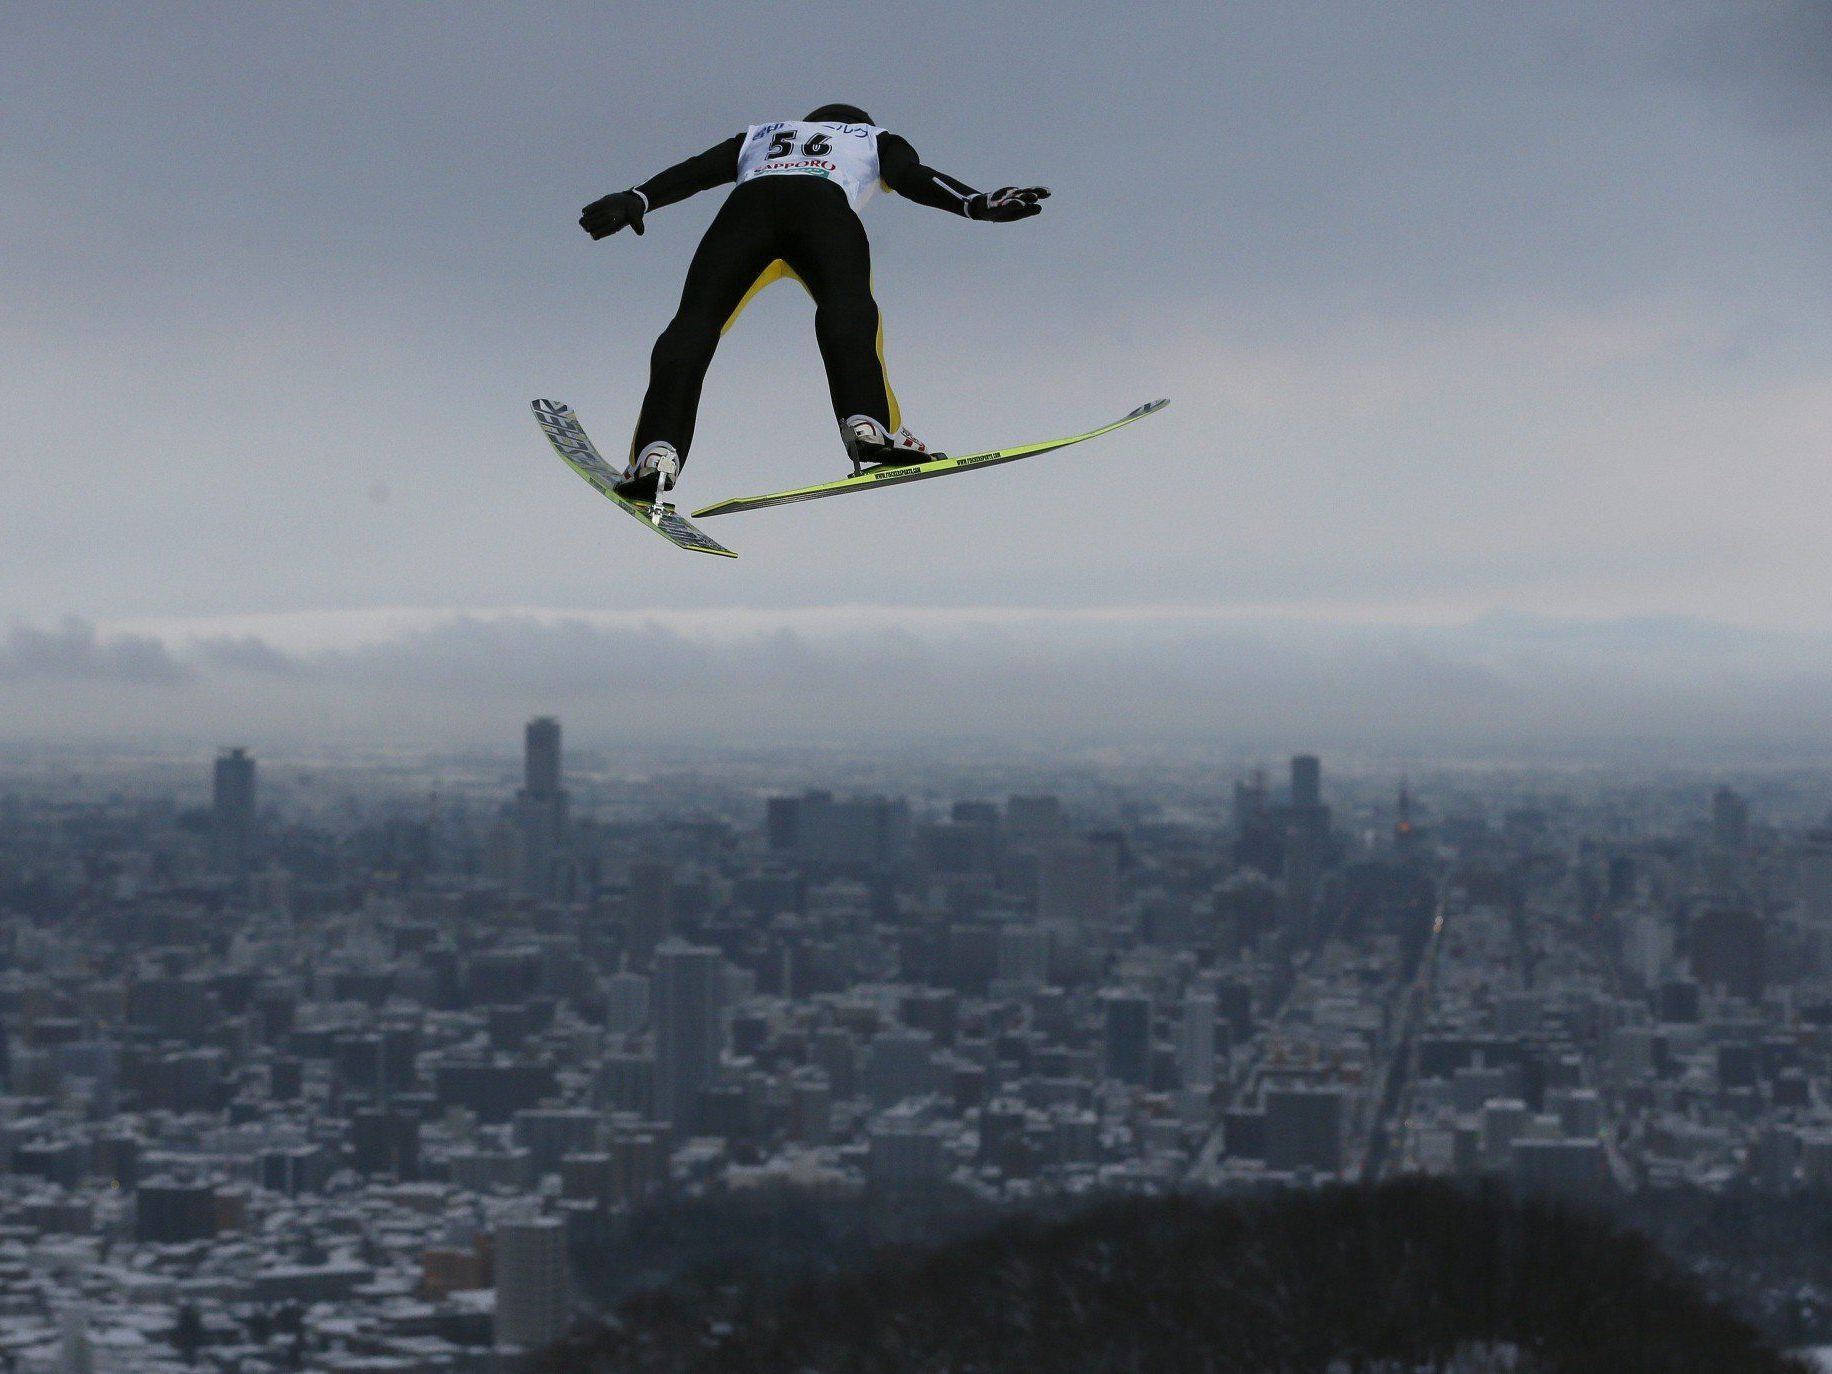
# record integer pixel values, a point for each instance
(794, 211)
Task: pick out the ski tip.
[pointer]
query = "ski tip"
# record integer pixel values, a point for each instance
(1149, 408)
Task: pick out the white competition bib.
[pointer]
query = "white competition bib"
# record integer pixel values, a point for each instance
(845, 154)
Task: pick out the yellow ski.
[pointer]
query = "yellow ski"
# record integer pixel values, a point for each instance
(939, 466)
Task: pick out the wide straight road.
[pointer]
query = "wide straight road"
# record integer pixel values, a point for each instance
(1402, 1068)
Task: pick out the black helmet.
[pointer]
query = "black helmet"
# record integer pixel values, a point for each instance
(838, 114)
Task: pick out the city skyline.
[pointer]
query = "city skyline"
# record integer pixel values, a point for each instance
(432, 1056)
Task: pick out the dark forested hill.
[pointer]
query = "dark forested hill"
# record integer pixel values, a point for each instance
(1402, 1276)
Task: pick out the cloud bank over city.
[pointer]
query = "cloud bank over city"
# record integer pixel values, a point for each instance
(1506, 685)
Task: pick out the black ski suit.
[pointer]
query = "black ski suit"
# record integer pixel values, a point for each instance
(786, 223)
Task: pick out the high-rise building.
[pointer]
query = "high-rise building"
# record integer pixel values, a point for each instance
(1309, 816)
(1302, 871)
(899, 1064)
(75, 1351)
(1729, 819)
(1306, 782)
(385, 1141)
(1250, 801)
(686, 991)
(170, 1213)
(904, 1154)
(1034, 816)
(494, 1090)
(648, 908)
(1504, 1121)
(626, 1003)
(1196, 1043)
(549, 1134)
(1729, 951)
(1246, 909)
(232, 809)
(1259, 827)
(1024, 955)
(1813, 875)
(1405, 828)
(1128, 1036)
(533, 1287)
(957, 848)
(541, 757)
(1078, 883)
(639, 1165)
(782, 821)
(540, 811)
(859, 833)
(1304, 1128)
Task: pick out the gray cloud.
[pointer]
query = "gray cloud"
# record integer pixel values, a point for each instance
(246, 654)
(1500, 684)
(1773, 58)
(72, 651)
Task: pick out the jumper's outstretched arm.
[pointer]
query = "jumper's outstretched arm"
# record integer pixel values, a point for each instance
(701, 172)
(903, 171)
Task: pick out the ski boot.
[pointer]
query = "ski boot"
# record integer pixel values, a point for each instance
(652, 473)
(870, 445)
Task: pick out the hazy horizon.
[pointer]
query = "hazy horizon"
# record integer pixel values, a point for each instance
(1506, 685)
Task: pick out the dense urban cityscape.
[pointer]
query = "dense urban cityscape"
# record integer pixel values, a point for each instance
(356, 1065)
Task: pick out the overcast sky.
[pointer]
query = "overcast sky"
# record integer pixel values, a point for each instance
(1465, 309)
